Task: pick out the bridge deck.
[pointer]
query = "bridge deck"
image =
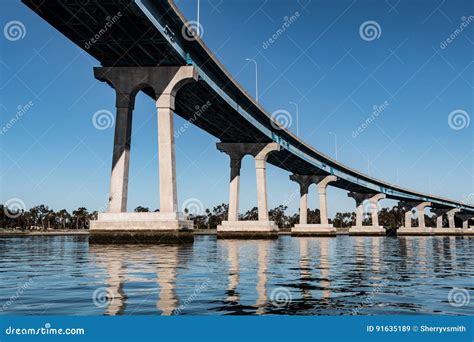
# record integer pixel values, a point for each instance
(148, 33)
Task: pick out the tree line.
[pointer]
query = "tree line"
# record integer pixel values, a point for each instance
(41, 217)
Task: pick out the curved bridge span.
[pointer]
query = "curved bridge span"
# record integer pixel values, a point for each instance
(141, 47)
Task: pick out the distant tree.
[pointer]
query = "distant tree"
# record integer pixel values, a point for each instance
(141, 209)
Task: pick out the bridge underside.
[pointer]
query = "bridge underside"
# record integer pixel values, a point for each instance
(118, 33)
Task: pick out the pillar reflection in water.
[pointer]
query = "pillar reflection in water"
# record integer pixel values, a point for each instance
(113, 261)
(305, 267)
(234, 265)
(114, 258)
(262, 297)
(324, 267)
(376, 253)
(166, 277)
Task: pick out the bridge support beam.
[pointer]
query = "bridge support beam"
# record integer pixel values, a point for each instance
(451, 229)
(407, 229)
(168, 225)
(233, 227)
(371, 200)
(323, 228)
(465, 220)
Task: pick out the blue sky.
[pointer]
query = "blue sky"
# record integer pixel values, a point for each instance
(53, 154)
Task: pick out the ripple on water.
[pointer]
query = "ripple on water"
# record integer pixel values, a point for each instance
(64, 275)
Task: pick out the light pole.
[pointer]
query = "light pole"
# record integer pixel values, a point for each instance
(256, 76)
(198, 20)
(335, 142)
(297, 117)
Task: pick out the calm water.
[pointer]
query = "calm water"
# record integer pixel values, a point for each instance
(64, 275)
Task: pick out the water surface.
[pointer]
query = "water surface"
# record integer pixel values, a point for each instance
(64, 275)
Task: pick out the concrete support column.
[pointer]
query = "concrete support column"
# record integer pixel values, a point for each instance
(233, 228)
(304, 182)
(234, 188)
(374, 208)
(408, 215)
(322, 187)
(359, 213)
(167, 159)
(121, 154)
(260, 168)
(167, 225)
(451, 213)
(465, 220)
(439, 221)
(359, 199)
(373, 199)
(421, 213)
(261, 189)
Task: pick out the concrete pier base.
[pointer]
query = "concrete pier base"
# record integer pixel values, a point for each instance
(417, 231)
(367, 230)
(145, 228)
(447, 231)
(247, 230)
(313, 230)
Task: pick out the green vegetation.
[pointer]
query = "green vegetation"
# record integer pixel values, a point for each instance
(41, 217)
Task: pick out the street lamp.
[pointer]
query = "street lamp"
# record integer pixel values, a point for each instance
(256, 76)
(297, 117)
(198, 29)
(335, 143)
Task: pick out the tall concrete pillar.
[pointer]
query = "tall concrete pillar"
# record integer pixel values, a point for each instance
(439, 221)
(408, 215)
(375, 209)
(304, 181)
(233, 228)
(235, 152)
(260, 168)
(421, 213)
(359, 228)
(407, 229)
(451, 213)
(234, 189)
(465, 220)
(168, 225)
(323, 228)
(323, 182)
(121, 154)
(167, 160)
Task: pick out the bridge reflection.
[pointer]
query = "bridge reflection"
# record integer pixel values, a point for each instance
(153, 273)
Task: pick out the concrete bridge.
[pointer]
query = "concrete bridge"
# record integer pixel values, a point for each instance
(143, 45)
